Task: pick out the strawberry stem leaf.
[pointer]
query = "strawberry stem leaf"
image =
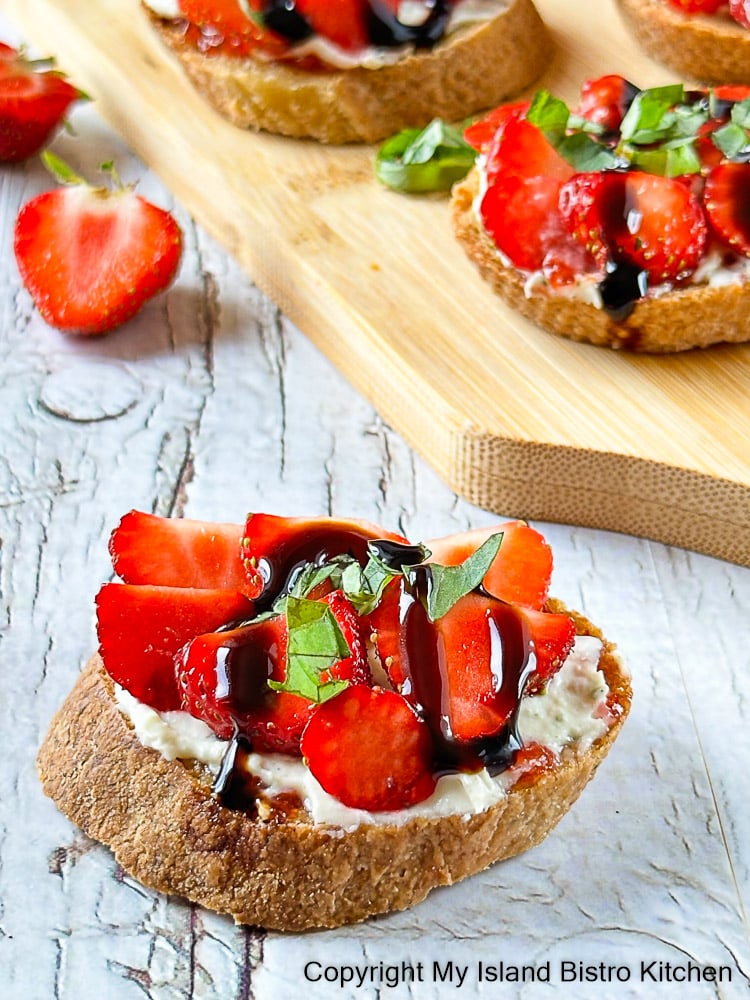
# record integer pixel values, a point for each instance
(60, 170)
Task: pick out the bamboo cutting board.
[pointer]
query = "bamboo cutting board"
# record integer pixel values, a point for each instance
(514, 419)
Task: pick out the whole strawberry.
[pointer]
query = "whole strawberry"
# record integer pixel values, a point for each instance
(91, 257)
(33, 102)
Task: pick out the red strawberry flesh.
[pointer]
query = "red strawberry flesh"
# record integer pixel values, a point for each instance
(370, 750)
(141, 628)
(178, 552)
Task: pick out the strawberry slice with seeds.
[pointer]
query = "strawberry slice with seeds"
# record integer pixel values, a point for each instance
(370, 750)
(33, 104)
(726, 198)
(520, 572)
(552, 637)
(606, 99)
(343, 22)
(141, 628)
(353, 668)
(91, 257)
(178, 552)
(223, 679)
(654, 223)
(696, 6)
(275, 548)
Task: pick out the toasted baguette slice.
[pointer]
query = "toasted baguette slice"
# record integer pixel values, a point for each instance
(167, 830)
(711, 48)
(476, 67)
(696, 316)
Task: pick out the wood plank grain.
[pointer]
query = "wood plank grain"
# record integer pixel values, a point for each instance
(511, 417)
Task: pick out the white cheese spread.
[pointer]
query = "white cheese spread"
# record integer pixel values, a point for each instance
(571, 713)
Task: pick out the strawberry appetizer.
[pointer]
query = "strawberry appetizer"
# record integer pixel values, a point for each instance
(319, 34)
(34, 99)
(330, 669)
(624, 204)
(91, 257)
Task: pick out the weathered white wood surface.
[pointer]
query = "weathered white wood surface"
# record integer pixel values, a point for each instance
(211, 404)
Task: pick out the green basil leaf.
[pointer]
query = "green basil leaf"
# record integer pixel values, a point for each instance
(549, 114)
(731, 139)
(422, 160)
(585, 154)
(670, 159)
(451, 583)
(650, 116)
(315, 642)
(741, 113)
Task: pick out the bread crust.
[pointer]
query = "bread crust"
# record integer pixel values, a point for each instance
(476, 68)
(687, 318)
(710, 48)
(166, 829)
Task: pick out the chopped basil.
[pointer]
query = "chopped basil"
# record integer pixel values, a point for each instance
(450, 583)
(671, 159)
(732, 140)
(422, 160)
(315, 643)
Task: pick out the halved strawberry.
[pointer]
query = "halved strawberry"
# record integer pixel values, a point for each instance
(655, 223)
(178, 552)
(383, 625)
(275, 548)
(141, 628)
(489, 129)
(369, 749)
(520, 572)
(726, 198)
(91, 257)
(552, 637)
(223, 680)
(606, 99)
(33, 102)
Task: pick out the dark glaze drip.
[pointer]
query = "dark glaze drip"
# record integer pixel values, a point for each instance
(234, 786)
(397, 554)
(621, 288)
(318, 547)
(383, 27)
(283, 17)
(423, 660)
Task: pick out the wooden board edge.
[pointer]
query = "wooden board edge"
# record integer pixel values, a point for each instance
(604, 490)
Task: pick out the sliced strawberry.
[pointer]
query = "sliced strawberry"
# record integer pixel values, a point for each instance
(353, 668)
(606, 99)
(384, 628)
(521, 149)
(91, 257)
(275, 548)
(655, 223)
(370, 750)
(521, 217)
(520, 572)
(531, 762)
(141, 628)
(223, 680)
(178, 552)
(552, 638)
(32, 104)
(489, 129)
(740, 11)
(696, 6)
(726, 198)
(733, 92)
(343, 22)
(222, 27)
(483, 676)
